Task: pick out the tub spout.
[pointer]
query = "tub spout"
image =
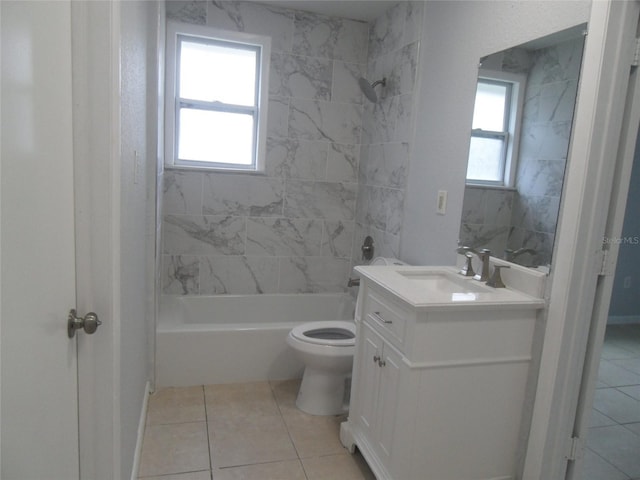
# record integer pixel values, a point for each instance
(353, 282)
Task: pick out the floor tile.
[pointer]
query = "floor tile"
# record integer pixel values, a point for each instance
(615, 375)
(332, 467)
(314, 435)
(616, 405)
(286, 392)
(631, 364)
(632, 391)
(176, 405)
(634, 427)
(174, 448)
(247, 439)
(615, 351)
(239, 399)
(631, 344)
(618, 446)
(289, 470)
(600, 420)
(597, 468)
(203, 475)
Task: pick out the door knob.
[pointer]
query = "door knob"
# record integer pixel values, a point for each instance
(89, 323)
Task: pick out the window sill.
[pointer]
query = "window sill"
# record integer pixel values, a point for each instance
(490, 187)
(214, 170)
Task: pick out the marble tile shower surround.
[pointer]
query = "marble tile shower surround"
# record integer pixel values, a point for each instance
(291, 229)
(527, 216)
(387, 128)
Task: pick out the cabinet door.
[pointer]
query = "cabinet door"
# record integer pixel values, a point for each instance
(387, 399)
(369, 379)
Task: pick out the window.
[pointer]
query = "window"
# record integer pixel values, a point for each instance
(495, 129)
(216, 98)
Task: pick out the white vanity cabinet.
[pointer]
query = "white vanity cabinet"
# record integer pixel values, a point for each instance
(380, 366)
(438, 389)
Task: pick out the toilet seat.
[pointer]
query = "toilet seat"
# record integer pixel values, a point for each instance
(330, 333)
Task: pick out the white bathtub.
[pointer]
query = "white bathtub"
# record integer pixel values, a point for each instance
(236, 338)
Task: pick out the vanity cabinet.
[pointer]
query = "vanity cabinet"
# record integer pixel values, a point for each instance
(438, 390)
(378, 381)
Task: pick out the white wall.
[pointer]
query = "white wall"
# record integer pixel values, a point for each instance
(447, 76)
(138, 144)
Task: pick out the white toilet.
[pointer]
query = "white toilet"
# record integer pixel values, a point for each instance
(326, 349)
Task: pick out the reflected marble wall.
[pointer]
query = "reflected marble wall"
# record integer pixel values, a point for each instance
(292, 229)
(527, 217)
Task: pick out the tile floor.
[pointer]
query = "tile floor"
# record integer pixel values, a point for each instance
(254, 430)
(613, 443)
(242, 432)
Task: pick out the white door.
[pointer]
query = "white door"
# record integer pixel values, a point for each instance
(39, 413)
(59, 144)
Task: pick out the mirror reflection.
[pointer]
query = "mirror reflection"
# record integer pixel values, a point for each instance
(519, 144)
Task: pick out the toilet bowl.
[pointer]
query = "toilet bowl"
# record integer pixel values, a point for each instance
(326, 349)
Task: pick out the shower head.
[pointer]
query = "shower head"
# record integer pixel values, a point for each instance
(368, 88)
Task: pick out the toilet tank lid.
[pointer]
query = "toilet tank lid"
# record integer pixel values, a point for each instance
(387, 261)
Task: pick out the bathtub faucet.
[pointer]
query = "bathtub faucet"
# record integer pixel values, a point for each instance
(353, 282)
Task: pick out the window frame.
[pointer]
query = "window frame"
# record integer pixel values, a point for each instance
(511, 136)
(177, 32)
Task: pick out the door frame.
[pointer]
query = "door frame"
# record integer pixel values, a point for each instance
(609, 50)
(97, 171)
(615, 223)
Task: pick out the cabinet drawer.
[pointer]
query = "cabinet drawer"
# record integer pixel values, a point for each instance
(388, 318)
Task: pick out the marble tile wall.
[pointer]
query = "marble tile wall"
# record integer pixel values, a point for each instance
(292, 229)
(527, 217)
(394, 40)
(486, 218)
(552, 86)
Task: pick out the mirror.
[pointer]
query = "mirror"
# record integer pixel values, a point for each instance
(517, 221)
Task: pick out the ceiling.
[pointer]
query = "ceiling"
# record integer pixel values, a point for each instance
(366, 10)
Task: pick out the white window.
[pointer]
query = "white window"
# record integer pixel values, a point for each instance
(495, 129)
(216, 98)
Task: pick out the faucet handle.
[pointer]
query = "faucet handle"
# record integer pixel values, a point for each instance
(467, 269)
(484, 255)
(496, 279)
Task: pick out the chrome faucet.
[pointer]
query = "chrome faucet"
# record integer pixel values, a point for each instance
(496, 280)
(467, 269)
(484, 255)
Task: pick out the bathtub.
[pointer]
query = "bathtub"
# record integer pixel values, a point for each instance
(236, 338)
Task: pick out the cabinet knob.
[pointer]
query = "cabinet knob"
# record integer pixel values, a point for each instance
(378, 359)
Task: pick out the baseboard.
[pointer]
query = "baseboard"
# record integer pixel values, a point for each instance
(141, 427)
(623, 319)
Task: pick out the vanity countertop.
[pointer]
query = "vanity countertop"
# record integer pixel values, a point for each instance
(443, 288)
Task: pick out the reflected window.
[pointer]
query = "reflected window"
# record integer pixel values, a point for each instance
(496, 116)
(216, 98)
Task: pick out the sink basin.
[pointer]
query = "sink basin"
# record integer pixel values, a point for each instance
(443, 288)
(443, 282)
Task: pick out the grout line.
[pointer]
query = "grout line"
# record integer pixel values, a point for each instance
(206, 424)
(607, 461)
(171, 474)
(295, 448)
